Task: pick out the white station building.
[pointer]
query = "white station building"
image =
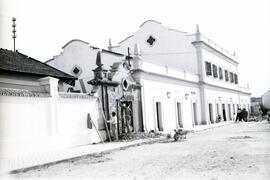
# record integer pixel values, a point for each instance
(171, 80)
(187, 80)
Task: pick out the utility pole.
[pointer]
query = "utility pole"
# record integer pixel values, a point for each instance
(14, 32)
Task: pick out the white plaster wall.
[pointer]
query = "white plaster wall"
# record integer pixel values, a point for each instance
(71, 120)
(169, 71)
(154, 91)
(23, 117)
(172, 47)
(245, 101)
(79, 53)
(30, 124)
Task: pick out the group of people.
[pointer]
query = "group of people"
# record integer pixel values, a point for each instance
(242, 114)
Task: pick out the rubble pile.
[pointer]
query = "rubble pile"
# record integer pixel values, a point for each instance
(138, 135)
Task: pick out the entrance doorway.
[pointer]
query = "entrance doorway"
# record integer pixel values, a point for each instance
(195, 113)
(224, 112)
(159, 116)
(229, 111)
(179, 115)
(211, 113)
(125, 117)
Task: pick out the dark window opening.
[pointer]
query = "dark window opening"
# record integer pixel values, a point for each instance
(231, 77)
(226, 75)
(151, 40)
(159, 116)
(125, 84)
(235, 79)
(76, 70)
(215, 73)
(208, 68)
(220, 73)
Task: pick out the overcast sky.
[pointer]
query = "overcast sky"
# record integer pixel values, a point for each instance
(45, 26)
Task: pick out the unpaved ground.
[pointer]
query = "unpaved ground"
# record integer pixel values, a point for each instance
(236, 151)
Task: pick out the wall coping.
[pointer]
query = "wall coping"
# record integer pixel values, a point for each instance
(21, 93)
(74, 95)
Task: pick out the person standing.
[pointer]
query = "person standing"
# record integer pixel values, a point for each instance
(238, 115)
(245, 114)
(113, 123)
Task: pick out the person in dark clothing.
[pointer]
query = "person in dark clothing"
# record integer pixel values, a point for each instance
(239, 115)
(245, 114)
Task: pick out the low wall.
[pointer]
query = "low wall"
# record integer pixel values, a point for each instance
(29, 124)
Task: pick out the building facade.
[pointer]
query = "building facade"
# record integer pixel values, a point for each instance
(186, 79)
(78, 58)
(103, 74)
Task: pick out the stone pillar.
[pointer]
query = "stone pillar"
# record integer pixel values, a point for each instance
(201, 73)
(50, 85)
(137, 60)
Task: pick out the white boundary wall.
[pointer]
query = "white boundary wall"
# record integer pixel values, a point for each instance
(34, 124)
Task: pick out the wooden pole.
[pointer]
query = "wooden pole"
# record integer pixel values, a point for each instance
(105, 121)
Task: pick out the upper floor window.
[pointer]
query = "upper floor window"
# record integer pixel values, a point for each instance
(151, 40)
(220, 73)
(235, 79)
(76, 71)
(208, 68)
(215, 73)
(226, 75)
(231, 77)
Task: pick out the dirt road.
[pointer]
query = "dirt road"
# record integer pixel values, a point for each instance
(235, 151)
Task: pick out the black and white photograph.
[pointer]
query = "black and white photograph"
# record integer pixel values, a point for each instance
(135, 89)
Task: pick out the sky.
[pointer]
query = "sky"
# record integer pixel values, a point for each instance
(45, 26)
